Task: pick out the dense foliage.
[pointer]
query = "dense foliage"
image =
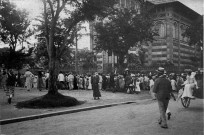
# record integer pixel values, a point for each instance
(124, 28)
(59, 33)
(195, 34)
(14, 31)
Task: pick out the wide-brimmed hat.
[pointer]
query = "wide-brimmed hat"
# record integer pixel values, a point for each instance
(96, 73)
(160, 70)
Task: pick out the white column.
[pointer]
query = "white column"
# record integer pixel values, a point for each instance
(113, 60)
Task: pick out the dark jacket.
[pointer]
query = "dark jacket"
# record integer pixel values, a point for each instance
(162, 87)
(128, 80)
(95, 80)
(11, 79)
(112, 81)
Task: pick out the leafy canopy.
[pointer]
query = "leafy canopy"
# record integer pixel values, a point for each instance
(122, 29)
(14, 31)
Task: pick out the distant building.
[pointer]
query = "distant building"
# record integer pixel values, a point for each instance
(171, 18)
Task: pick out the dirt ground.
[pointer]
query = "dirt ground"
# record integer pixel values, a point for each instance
(10, 111)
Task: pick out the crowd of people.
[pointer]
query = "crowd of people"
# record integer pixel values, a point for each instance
(127, 82)
(160, 85)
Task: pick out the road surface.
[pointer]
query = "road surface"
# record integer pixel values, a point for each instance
(131, 119)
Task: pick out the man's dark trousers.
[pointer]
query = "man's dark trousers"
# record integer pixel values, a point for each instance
(163, 104)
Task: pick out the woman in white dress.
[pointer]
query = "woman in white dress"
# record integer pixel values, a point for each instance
(29, 77)
(90, 86)
(151, 85)
(137, 88)
(121, 82)
(190, 85)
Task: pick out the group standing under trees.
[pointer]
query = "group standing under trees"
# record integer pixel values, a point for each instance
(58, 33)
(58, 38)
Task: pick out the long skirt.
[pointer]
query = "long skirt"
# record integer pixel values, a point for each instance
(28, 83)
(121, 83)
(40, 84)
(96, 92)
(188, 90)
(137, 88)
(90, 86)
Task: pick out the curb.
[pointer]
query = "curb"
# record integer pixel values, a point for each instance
(33, 117)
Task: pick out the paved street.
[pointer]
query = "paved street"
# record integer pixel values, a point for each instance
(132, 119)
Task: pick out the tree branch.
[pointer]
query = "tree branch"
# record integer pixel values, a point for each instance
(51, 7)
(46, 27)
(59, 8)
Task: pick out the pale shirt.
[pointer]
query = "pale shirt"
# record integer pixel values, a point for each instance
(173, 84)
(141, 79)
(61, 77)
(47, 75)
(146, 79)
(151, 83)
(100, 79)
(70, 78)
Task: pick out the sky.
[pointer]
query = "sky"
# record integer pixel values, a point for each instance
(34, 7)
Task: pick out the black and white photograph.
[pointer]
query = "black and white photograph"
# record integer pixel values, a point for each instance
(101, 67)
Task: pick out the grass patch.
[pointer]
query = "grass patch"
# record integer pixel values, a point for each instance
(49, 101)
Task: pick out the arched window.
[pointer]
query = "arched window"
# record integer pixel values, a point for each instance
(160, 29)
(182, 30)
(175, 30)
(185, 38)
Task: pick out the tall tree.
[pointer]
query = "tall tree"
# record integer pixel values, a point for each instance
(133, 61)
(195, 34)
(14, 32)
(80, 10)
(87, 60)
(124, 28)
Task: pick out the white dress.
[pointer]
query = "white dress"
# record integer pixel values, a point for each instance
(28, 82)
(151, 85)
(35, 81)
(90, 86)
(190, 84)
(173, 84)
(137, 87)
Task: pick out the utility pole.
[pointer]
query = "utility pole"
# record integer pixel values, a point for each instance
(179, 53)
(76, 53)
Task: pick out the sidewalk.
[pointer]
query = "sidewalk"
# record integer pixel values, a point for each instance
(9, 111)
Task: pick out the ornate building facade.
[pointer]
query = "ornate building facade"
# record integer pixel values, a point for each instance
(171, 19)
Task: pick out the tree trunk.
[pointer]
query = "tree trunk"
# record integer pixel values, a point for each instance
(53, 71)
(53, 64)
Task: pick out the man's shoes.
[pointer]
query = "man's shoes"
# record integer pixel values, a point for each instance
(164, 126)
(168, 116)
